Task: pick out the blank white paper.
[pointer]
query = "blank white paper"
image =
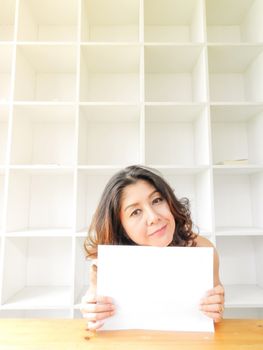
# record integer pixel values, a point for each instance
(156, 288)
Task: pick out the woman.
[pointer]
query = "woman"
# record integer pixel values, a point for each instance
(138, 207)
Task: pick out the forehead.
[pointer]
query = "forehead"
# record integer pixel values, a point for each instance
(135, 192)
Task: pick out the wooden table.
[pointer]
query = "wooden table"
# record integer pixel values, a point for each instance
(72, 335)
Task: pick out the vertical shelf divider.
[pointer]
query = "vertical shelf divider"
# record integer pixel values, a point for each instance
(8, 150)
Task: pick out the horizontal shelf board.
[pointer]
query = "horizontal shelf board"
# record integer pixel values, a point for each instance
(239, 231)
(180, 170)
(237, 169)
(47, 43)
(42, 168)
(110, 104)
(176, 104)
(244, 296)
(234, 44)
(40, 298)
(236, 103)
(51, 232)
(234, 113)
(45, 103)
(100, 168)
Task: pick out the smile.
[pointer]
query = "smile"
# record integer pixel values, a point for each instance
(159, 232)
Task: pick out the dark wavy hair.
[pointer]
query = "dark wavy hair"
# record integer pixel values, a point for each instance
(106, 227)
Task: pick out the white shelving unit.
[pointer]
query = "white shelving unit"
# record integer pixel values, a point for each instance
(90, 86)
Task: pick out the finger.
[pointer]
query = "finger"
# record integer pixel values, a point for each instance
(217, 317)
(216, 290)
(219, 308)
(97, 308)
(93, 316)
(213, 299)
(92, 326)
(93, 298)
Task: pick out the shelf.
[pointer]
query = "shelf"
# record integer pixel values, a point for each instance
(90, 187)
(245, 296)
(238, 200)
(5, 72)
(39, 297)
(173, 21)
(4, 114)
(110, 21)
(88, 87)
(241, 259)
(235, 73)
(117, 126)
(44, 21)
(40, 200)
(236, 134)
(239, 231)
(176, 135)
(36, 313)
(39, 79)
(42, 275)
(197, 188)
(34, 125)
(109, 73)
(7, 19)
(241, 22)
(175, 74)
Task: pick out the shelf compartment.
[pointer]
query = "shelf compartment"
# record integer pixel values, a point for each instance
(241, 259)
(197, 188)
(42, 275)
(238, 201)
(7, 19)
(34, 125)
(236, 134)
(5, 72)
(91, 184)
(110, 21)
(173, 21)
(40, 202)
(175, 74)
(109, 73)
(45, 21)
(4, 113)
(117, 126)
(236, 73)
(82, 270)
(234, 21)
(176, 135)
(45, 73)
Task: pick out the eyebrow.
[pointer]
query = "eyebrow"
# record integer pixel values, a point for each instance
(135, 204)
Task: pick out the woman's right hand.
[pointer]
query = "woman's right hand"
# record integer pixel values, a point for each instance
(96, 309)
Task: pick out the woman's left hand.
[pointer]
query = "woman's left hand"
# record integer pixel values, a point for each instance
(212, 305)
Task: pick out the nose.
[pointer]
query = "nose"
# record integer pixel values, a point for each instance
(152, 216)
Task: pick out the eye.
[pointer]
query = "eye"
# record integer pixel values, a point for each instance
(136, 212)
(157, 200)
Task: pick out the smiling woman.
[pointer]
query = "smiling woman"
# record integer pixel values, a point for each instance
(138, 207)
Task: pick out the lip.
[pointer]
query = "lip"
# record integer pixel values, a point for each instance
(158, 232)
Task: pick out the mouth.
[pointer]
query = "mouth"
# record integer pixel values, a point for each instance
(159, 232)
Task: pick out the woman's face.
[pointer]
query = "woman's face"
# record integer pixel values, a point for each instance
(146, 216)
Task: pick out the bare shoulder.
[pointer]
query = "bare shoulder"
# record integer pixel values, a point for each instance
(203, 242)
